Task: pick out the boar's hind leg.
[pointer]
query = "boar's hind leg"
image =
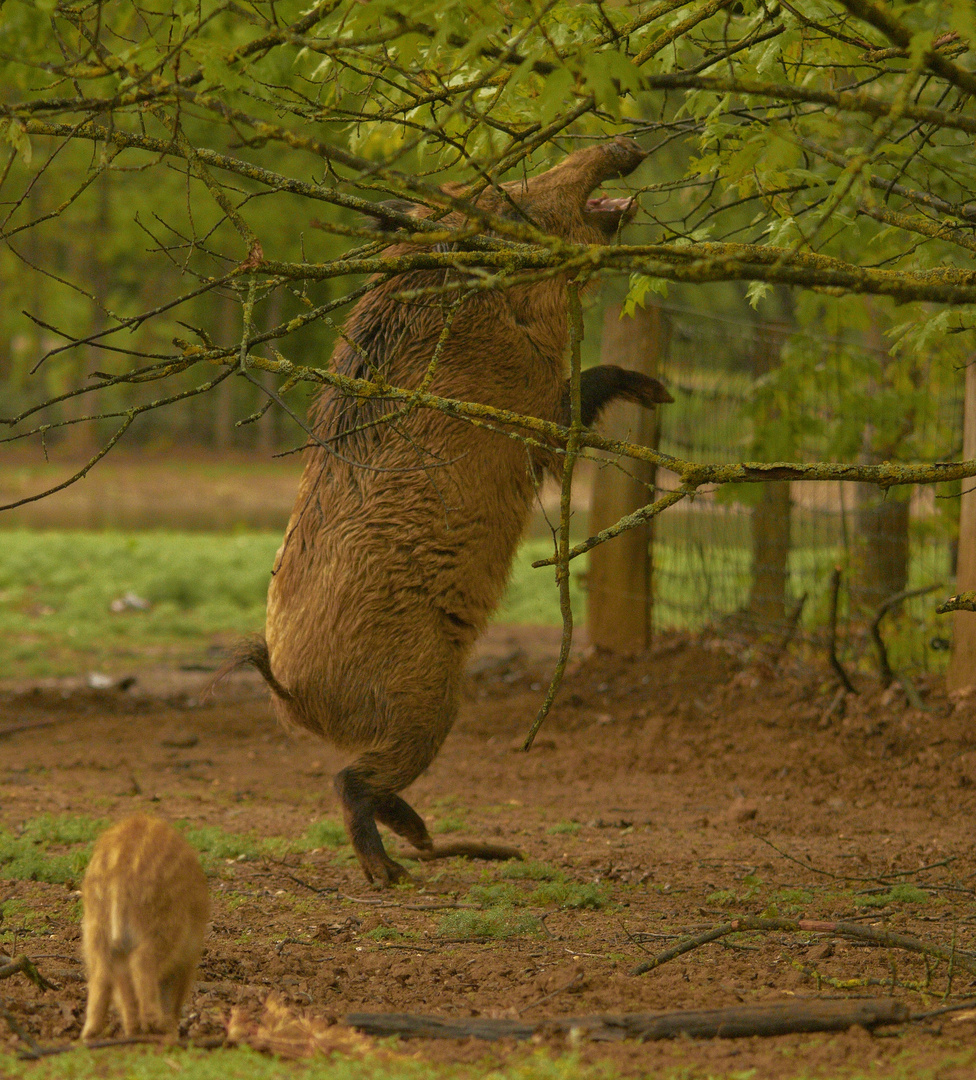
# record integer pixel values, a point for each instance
(362, 806)
(397, 814)
(367, 788)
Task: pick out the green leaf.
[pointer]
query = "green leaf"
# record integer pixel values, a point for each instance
(16, 135)
(640, 286)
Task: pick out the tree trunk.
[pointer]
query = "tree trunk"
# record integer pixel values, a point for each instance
(772, 515)
(882, 543)
(620, 578)
(962, 664)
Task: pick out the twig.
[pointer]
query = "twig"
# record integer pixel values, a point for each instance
(832, 637)
(893, 601)
(914, 699)
(881, 879)
(790, 632)
(565, 510)
(30, 725)
(958, 1007)
(306, 885)
(407, 907)
(18, 1030)
(847, 929)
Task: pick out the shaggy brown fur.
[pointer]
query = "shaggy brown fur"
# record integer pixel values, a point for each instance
(403, 533)
(146, 910)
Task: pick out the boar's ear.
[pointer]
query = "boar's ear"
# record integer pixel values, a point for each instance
(381, 214)
(605, 383)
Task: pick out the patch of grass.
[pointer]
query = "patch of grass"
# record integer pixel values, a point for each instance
(213, 841)
(449, 824)
(532, 596)
(897, 894)
(27, 857)
(20, 917)
(565, 828)
(497, 894)
(325, 834)
(63, 829)
(497, 923)
(243, 1063)
(570, 894)
(57, 588)
(530, 870)
(390, 933)
(793, 896)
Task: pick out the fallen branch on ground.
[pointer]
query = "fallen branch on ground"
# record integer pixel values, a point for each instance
(851, 931)
(37, 1052)
(739, 1021)
(11, 966)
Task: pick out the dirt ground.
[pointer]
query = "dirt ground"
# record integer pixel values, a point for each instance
(695, 783)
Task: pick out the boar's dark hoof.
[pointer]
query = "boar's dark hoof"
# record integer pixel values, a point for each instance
(362, 807)
(385, 873)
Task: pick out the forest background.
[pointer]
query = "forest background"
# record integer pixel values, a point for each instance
(185, 216)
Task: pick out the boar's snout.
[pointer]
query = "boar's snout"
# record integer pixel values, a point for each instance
(559, 202)
(623, 156)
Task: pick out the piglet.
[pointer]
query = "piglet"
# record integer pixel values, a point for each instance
(146, 908)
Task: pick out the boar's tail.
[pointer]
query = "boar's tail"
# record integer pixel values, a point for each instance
(605, 383)
(254, 651)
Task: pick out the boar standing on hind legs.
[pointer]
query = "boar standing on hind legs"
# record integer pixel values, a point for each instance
(403, 533)
(145, 916)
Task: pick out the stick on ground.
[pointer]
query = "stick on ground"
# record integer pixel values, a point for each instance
(851, 931)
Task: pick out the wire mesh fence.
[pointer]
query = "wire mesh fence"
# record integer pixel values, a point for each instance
(759, 558)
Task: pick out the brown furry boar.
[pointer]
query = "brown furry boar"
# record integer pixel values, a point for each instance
(145, 915)
(403, 533)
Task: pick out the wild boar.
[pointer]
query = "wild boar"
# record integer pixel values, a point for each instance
(404, 528)
(145, 916)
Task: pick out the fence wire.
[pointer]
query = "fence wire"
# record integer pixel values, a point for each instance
(708, 554)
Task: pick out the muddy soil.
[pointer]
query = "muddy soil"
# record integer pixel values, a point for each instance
(700, 781)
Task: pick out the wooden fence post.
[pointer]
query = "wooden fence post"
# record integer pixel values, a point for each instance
(620, 579)
(962, 664)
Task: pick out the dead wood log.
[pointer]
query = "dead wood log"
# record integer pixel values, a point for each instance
(739, 1021)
